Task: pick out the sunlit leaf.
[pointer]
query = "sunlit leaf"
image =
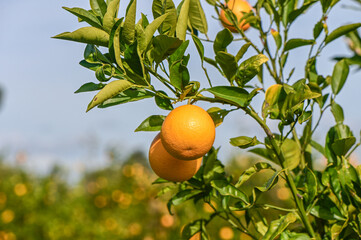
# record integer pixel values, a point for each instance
(90, 35)
(152, 123)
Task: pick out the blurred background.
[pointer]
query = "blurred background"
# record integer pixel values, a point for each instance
(67, 174)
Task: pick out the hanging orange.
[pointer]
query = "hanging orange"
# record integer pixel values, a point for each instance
(238, 7)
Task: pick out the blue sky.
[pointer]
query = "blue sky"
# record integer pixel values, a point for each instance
(42, 116)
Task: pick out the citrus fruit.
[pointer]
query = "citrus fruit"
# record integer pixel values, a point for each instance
(168, 167)
(188, 132)
(237, 7)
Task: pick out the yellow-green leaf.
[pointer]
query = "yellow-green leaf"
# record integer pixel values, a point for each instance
(181, 28)
(90, 35)
(110, 16)
(110, 90)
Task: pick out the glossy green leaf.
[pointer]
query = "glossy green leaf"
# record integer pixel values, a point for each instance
(90, 35)
(179, 75)
(164, 46)
(326, 209)
(199, 46)
(129, 95)
(278, 226)
(337, 112)
(90, 86)
(109, 91)
(291, 153)
(110, 16)
(197, 17)
(223, 39)
(242, 51)
(162, 102)
(249, 68)
(247, 174)
(305, 116)
(129, 23)
(244, 142)
(182, 22)
(317, 29)
(181, 197)
(99, 7)
(195, 227)
(228, 64)
(339, 76)
(151, 28)
(85, 16)
(152, 123)
(213, 169)
(287, 235)
(343, 145)
(233, 95)
(226, 189)
(263, 152)
(178, 55)
(218, 115)
(161, 7)
(340, 31)
(297, 42)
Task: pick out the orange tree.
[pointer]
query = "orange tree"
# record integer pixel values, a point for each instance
(140, 53)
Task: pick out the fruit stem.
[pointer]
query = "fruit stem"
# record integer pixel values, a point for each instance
(289, 178)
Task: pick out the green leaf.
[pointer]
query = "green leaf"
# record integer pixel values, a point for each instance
(90, 35)
(249, 68)
(233, 95)
(197, 17)
(337, 112)
(182, 22)
(218, 115)
(247, 174)
(326, 209)
(278, 226)
(213, 169)
(223, 39)
(297, 42)
(263, 152)
(129, 95)
(161, 7)
(90, 86)
(244, 142)
(339, 76)
(178, 55)
(199, 46)
(111, 14)
(343, 145)
(195, 227)
(152, 123)
(291, 153)
(99, 7)
(110, 90)
(228, 64)
(305, 116)
(226, 189)
(179, 75)
(114, 43)
(85, 16)
(162, 102)
(181, 197)
(242, 51)
(340, 31)
(277, 37)
(317, 29)
(164, 46)
(287, 235)
(129, 23)
(318, 147)
(152, 27)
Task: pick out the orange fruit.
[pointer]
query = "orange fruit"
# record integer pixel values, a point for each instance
(188, 132)
(168, 167)
(237, 7)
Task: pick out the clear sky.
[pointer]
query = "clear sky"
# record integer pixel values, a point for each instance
(42, 117)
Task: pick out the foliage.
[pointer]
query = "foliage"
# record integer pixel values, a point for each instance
(326, 203)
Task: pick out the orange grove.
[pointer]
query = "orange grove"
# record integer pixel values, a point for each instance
(188, 132)
(237, 7)
(168, 167)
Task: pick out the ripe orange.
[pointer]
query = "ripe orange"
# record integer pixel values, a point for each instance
(237, 7)
(168, 167)
(188, 132)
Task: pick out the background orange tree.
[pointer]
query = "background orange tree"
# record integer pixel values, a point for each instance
(141, 53)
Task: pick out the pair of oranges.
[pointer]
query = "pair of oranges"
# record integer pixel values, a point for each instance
(187, 134)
